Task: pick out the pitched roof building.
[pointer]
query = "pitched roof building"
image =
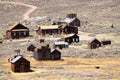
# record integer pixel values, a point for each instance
(17, 31)
(20, 64)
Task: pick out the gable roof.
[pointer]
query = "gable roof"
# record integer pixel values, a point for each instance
(16, 59)
(49, 27)
(90, 41)
(15, 25)
(55, 50)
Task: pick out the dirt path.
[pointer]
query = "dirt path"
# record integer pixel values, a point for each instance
(26, 15)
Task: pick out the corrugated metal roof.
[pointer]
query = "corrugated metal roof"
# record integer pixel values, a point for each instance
(16, 59)
(61, 42)
(49, 27)
(69, 20)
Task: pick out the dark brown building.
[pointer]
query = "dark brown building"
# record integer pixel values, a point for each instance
(70, 38)
(45, 53)
(67, 29)
(55, 54)
(20, 64)
(72, 22)
(105, 42)
(17, 31)
(31, 47)
(52, 29)
(94, 43)
(42, 53)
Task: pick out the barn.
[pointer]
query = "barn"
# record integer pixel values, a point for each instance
(70, 38)
(20, 64)
(17, 31)
(55, 54)
(51, 29)
(94, 43)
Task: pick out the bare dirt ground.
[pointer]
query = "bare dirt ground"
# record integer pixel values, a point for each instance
(79, 62)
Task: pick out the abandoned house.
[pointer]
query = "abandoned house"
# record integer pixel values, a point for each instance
(31, 48)
(67, 29)
(106, 42)
(94, 43)
(61, 44)
(55, 54)
(17, 31)
(70, 38)
(42, 53)
(52, 29)
(72, 20)
(20, 64)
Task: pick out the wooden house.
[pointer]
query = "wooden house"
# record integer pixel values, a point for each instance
(105, 42)
(61, 44)
(70, 38)
(52, 29)
(94, 43)
(55, 54)
(17, 31)
(20, 64)
(31, 47)
(72, 20)
(67, 29)
(42, 53)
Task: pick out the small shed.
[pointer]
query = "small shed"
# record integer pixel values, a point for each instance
(31, 47)
(94, 43)
(61, 44)
(70, 38)
(20, 64)
(17, 31)
(42, 53)
(55, 54)
(106, 42)
(51, 29)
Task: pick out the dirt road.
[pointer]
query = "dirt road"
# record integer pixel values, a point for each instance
(26, 15)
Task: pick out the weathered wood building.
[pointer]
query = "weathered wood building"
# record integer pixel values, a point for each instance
(71, 20)
(94, 43)
(106, 42)
(55, 54)
(70, 38)
(52, 29)
(67, 29)
(17, 31)
(45, 53)
(42, 53)
(20, 64)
